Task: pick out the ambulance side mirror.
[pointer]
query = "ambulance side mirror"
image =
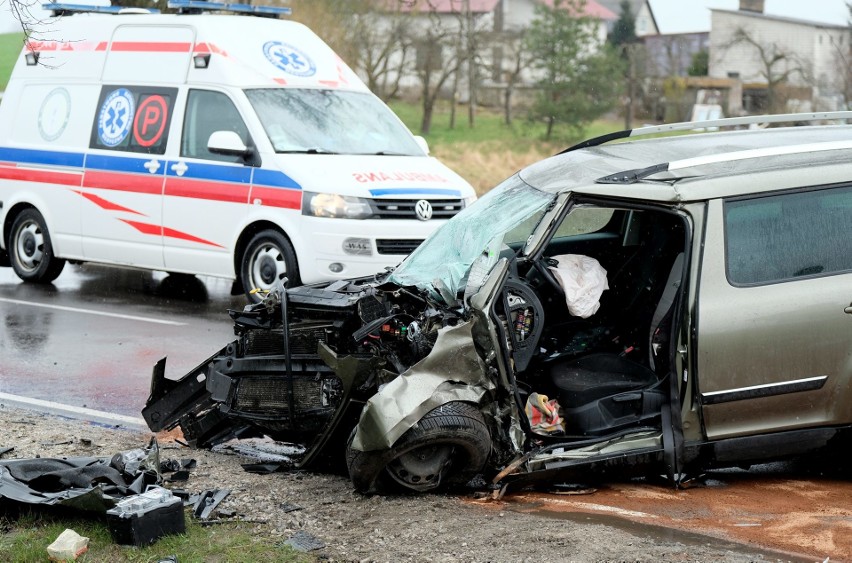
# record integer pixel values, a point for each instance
(229, 143)
(421, 142)
(226, 142)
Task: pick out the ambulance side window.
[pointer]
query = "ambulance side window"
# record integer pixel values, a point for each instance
(133, 118)
(207, 112)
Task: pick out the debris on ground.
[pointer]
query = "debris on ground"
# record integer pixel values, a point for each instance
(143, 519)
(69, 545)
(303, 541)
(207, 502)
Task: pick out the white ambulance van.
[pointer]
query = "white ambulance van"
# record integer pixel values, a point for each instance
(231, 145)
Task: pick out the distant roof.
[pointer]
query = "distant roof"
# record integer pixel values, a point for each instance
(451, 6)
(592, 8)
(687, 16)
(781, 18)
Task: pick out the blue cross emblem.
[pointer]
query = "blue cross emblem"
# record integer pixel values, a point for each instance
(289, 59)
(115, 117)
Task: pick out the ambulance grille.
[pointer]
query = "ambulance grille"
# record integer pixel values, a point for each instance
(390, 246)
(404, 208)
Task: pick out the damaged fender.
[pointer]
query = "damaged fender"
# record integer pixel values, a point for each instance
(453, 371)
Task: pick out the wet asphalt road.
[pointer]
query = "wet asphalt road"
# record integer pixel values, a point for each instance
(91, 338)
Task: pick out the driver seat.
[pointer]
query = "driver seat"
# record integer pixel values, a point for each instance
(603, 393)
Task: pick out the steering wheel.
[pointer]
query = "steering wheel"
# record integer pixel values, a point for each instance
(543, 268)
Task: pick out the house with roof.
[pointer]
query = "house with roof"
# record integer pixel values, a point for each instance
(441, 34)
(784, 63)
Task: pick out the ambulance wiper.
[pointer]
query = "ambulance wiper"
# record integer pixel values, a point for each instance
(314, 150)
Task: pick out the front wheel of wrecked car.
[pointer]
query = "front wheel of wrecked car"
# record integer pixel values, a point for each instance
(449, 445)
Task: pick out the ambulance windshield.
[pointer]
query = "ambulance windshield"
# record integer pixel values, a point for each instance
(330, 122)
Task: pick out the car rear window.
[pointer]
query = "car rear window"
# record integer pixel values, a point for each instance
(789, 236)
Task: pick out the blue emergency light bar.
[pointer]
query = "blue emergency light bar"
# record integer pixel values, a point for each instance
(61, 8)
(197, 6)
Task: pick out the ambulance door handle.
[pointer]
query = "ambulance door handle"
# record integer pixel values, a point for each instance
(152, 166)
(179, 168)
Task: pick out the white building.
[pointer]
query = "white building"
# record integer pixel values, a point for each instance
(807, 59)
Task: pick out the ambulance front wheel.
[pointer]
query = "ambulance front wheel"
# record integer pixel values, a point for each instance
(31, 251)
(269, 257)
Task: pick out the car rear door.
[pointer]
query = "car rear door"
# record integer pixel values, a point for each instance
(774, 317)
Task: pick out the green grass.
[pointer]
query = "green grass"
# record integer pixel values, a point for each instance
(489, 125)
(10, 47)
(25, 539)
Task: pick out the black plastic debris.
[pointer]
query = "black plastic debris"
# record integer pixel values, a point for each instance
(208, 501)
(303, 541)
(262, 468)
(288, 507)
(143, 519)
(7, 449)
(83, 483)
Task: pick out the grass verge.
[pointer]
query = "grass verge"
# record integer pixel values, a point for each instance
(24, 538)
(10, 48)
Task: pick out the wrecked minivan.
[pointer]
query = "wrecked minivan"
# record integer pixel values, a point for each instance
(655, 306)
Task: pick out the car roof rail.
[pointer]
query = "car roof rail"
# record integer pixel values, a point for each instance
(637, 174)
(201, 6)
(697, 125)
(65, 9)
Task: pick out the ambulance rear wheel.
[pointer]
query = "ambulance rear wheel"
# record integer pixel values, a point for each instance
(269, 257)
(31, 251)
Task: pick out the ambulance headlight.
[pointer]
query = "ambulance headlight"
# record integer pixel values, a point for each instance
(335, 205)
(468, 201)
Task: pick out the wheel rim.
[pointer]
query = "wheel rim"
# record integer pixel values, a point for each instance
(268, 266)
(422, 469)
(29, 246)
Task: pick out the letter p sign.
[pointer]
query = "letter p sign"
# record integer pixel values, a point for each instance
(150, 123)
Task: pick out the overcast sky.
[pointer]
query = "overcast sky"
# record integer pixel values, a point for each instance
(673, 16)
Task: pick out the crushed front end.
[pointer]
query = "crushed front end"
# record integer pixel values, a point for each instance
(302, 366)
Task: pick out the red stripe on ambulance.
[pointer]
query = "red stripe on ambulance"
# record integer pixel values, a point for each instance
(106, 204)
(277, 197)
(41, 176)
(136, 183)
(149, 229)
(202, 189)
(150, 47)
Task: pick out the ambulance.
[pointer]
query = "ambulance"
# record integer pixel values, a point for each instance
(212, 141)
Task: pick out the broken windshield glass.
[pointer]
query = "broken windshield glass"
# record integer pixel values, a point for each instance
(503, 218)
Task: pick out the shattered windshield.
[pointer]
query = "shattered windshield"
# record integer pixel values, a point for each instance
(310, 121)
(503, 218)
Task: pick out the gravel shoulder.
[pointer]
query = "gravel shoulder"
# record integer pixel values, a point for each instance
(355, 527)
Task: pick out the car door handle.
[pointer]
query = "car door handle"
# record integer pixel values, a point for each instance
(179, 168)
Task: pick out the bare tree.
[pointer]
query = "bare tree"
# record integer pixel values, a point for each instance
(777, 64)
(438, 59)
(518, 59)
(381, 37)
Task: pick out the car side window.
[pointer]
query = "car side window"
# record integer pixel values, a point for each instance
(207, 112)
(584, 220)
(783, 237)
(133, 119)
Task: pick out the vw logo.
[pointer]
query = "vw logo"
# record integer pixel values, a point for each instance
(423, 210)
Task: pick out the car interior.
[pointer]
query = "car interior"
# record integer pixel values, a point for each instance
(608, 371)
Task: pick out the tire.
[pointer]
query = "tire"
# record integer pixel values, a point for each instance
(31, 251)
(268, 258)
(448, 446)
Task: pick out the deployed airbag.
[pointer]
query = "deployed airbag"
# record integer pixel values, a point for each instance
(583, 280)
